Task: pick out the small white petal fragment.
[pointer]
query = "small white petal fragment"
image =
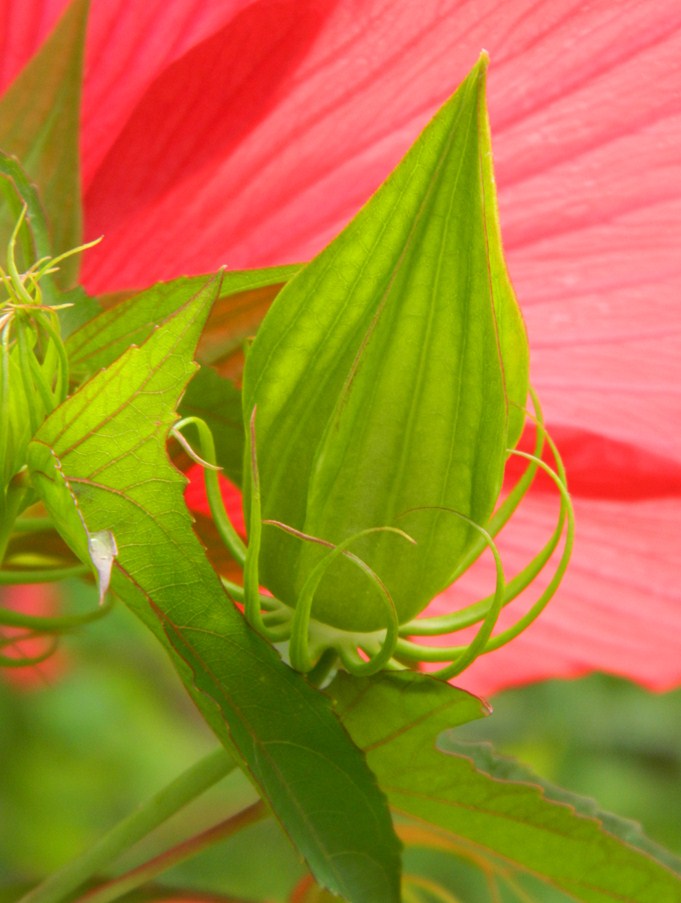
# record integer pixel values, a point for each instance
(103, 549)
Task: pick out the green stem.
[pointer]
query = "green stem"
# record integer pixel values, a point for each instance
(8, 513)
(33, 524)
(11, 618)
(42, 575)
(149, 815)
(143, 874)
(221, 519)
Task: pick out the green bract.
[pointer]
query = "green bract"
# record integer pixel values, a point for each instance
(388, 382)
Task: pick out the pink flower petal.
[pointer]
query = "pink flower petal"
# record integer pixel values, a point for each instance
(129, 44)
(23, 28)
(285, 143)
(197, 500)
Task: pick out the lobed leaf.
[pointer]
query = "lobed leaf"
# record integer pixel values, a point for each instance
(242, 301)
(495, 811)
(99, 464)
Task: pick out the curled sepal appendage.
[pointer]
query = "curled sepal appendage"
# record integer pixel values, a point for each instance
(207, 460)
(466, 655)
(17, 628)
(310, 639)
(458, 656)
(21, 660)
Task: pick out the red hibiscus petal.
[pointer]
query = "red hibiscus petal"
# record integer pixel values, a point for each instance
(197, 500)
(286, 142)
(129, 44)
(23, 28)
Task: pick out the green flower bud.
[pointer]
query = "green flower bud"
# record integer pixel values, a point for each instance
(382, 394)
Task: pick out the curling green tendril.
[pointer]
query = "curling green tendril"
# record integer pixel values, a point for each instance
(314, 646)
(464, 656)
(300, 627)
(208, 461)
(474, 613)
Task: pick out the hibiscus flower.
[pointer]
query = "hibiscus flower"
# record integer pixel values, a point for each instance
(247, 132)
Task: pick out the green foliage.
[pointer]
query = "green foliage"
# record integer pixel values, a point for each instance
(382, 380)
(103, 339)
(495, 812)
(242, 299)
(386, 387)
(99, 464)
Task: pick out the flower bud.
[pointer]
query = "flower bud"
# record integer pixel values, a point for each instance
(385, 387)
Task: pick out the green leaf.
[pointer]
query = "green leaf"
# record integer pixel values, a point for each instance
(313, 777)
(39, 124)
(99, 463)
(382, 377)
(82, 308)
(485, 805)
(243, 299)
(503, 768)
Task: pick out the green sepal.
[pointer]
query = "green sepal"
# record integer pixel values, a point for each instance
(383, 378)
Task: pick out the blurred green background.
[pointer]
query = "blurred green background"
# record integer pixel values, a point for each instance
(114, 726)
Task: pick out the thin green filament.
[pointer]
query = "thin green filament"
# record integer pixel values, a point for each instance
(208, 460)
(462, 656)
(299, 653)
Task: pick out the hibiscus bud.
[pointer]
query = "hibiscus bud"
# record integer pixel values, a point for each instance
(385, 388)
